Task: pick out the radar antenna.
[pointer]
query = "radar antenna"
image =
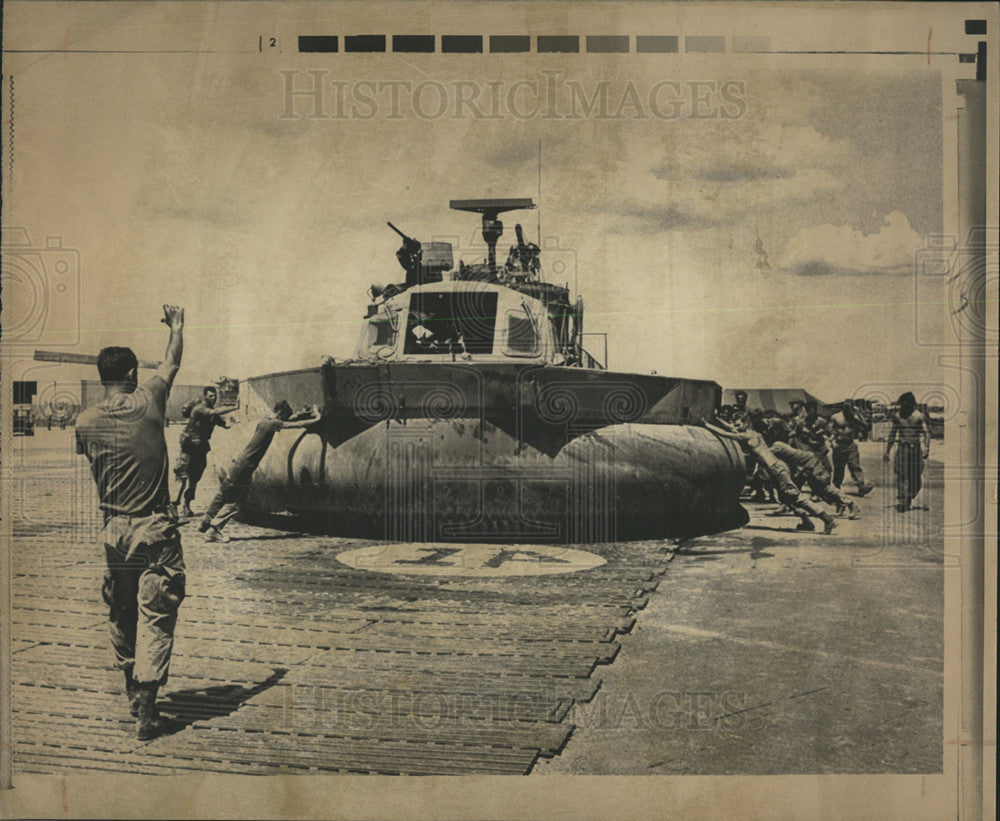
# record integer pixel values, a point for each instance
(492, 227)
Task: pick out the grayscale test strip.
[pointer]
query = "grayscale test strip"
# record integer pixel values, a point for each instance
(422, 43)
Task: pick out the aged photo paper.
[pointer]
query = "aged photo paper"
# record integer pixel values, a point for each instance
(602, 394)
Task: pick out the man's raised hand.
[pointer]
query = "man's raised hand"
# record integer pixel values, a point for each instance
(173, 316)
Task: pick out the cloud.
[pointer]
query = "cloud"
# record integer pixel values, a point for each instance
(669, 205)
(803, 145)
(626, 215)
(718, 176)
(743, 171)
(840, 249)
(762, 152)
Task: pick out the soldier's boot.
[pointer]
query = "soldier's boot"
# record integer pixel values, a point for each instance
(132, 693)
(865, 489)
(186, 511)
(854, 510)
(805, 524)
(828, 523)
(148, 724)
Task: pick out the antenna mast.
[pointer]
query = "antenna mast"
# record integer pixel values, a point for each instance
(539, 215)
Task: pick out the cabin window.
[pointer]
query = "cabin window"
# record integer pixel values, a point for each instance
(453, 322)
(380, 331)
(385, 334)
(520, 336)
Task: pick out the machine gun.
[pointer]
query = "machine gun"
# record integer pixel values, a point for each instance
(410, 254)
(423, 261)
(523, 260)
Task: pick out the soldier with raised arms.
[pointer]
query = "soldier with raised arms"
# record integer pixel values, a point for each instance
(122, 437)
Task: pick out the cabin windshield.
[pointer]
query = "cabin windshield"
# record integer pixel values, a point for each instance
(451, 322)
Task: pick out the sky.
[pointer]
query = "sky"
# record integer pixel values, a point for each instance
(175, 178)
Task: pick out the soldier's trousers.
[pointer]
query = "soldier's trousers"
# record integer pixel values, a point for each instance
(190, 467)
(849, 458)
(760, 483)
(818, 481)
(824, 460)
(233, 491)
(909, 471)
(788, 492)
(143, 587)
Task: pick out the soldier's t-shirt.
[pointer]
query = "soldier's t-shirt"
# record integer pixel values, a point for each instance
(246, 463)
(199, 427)
(122, 437)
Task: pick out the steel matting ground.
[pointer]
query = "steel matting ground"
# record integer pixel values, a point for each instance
(287, 660)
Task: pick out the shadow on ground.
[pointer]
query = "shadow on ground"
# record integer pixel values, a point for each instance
(183, 708)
